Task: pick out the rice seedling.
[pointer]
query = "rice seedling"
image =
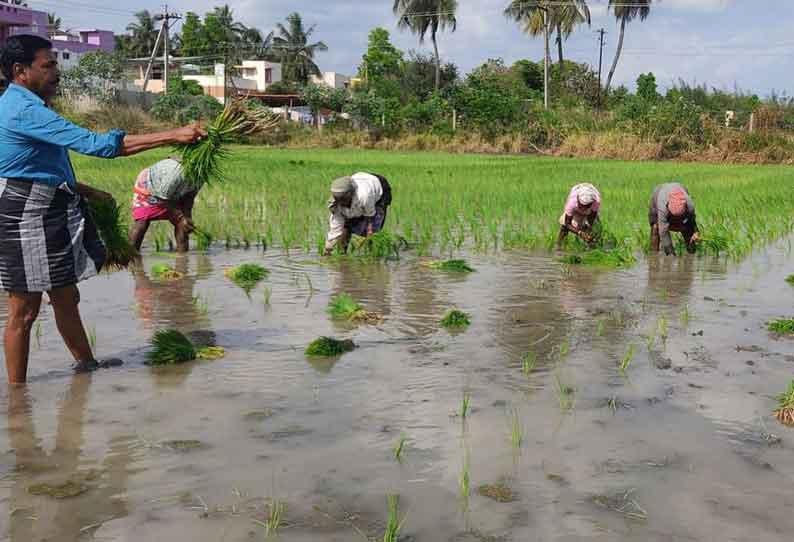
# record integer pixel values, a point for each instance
(516, 431)
(456, 266)
(600, 325)
(782, 326)
(465, 404)
(247, 275)
(92, 338)
(380, 246)
(400, 447)
(343, 307)
(601, 258)
(329, 347)
(663, 327)
(785, 406)
(393, 523)
(456, 319)
(684, 316)
(628, 357)
(203, 239)
(164, 271)
(650, 340)
(566, 395)
(106, 215)
(274, 518)
(171, 347)
(529, 362)
(464, 480)
(565, 347)
(266, 294)
(790, 279)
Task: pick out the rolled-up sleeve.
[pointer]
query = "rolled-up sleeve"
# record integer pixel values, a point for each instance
(336, 228)
(43, 124)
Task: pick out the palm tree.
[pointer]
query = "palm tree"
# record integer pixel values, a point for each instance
(421, 16)
(626, 11)
(143, 34)
(53, 23)
(535, 16)
(295, 51)
(563, 18)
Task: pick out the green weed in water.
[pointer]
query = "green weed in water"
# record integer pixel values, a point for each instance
(529, 362)
(465, 404)
(782, 327)
(785, 406)
(456, 319)
(329, 347)
(393, 524)
(400, 447)
(247, 275)
(170, 347)
(344, 307)
(628, 357)
(457, 266)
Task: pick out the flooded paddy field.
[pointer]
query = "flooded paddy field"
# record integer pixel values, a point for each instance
(630, 405)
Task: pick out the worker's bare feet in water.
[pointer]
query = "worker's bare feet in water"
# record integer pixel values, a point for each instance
(93, 365)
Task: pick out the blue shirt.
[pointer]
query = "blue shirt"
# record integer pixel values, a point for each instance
(34, 140)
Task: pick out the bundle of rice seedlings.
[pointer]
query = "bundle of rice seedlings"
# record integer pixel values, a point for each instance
(790, 279)
(106, 215)
(456, 266)
(380, 246)
(170, 347)
(785, 410)
(246, 275)
(328, 347)
(782, 327)
(456, 319)
(618, 257)
(203, 239)
(201, 161)
(166, 272)
(343, 307)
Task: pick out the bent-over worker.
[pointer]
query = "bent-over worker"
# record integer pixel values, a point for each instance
(672, 209)
(162, 193)
(581, 213)
(358, 206)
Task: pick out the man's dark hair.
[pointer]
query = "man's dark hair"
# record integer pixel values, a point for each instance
(20, 49)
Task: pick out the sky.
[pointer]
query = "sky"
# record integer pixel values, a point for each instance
(723, 43)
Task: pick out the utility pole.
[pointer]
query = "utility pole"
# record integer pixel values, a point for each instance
(166, 17)
(601, 33)
(546, 58)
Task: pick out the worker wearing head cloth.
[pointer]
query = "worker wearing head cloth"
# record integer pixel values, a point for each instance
(358, 206)
(672, 210)
(580, 213)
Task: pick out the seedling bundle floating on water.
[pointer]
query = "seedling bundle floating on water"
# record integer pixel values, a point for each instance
(328, 347)
(246, 275)
(112, 232)
(602, 258)
(166, 272)
(170, 347)
(381, 245)
(782, 327)
(344, 307)
(456, 319)
(785, 410)
(456, 266)
(201, 161)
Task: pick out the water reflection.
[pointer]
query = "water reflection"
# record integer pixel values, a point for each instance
(52, 497)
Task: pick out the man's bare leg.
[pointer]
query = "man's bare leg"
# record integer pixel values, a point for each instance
(65, 303)
(138, 232)
(23, 309)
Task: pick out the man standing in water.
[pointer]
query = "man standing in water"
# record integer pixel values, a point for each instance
(48, 243)
(358, 206)
(162, 193)
(672, 209)
(580, 213)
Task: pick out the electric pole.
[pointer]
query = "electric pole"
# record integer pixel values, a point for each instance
(166, 17)
(601, 33)
(546, 58)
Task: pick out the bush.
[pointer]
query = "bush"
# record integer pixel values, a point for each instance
(185, 108)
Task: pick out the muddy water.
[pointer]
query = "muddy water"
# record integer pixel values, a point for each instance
(681, 447)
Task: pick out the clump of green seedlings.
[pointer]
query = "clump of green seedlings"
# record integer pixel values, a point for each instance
(685, 316)
(465, 405)
(110, 227)
(164, 271)
(782, 326)
(393, 524)
(456, 319)
(566, 395)
(400, 447)
(619, 257)
(790, 279)
(663, 327)
(274, 518)
(516, 431)
(785, 406)
(171, 347)
(203, 239)
(344, 307)
(628, 357)
(380, 246)
(329, 347)
(247, 275)
(529, 362)
(455, 266)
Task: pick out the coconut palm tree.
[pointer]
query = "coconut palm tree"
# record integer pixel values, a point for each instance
(535, 16)
(143, 34)
(53, 23)
(296, 53)
(563, 18)
(423, 16)
(625, 12)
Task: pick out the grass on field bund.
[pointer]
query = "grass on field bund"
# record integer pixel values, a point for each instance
(447, 201)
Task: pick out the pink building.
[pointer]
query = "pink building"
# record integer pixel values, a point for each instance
(14, 17)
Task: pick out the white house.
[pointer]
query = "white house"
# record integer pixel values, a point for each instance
(332, 79)
(263, 73)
